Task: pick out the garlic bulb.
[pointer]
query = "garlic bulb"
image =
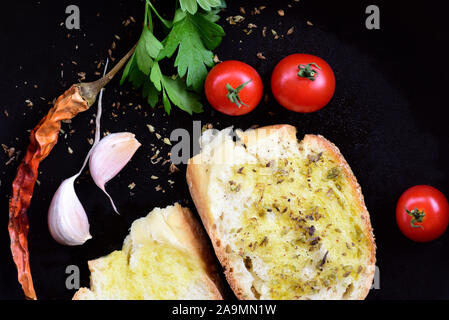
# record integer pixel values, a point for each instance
(67, 220)
(109, 157)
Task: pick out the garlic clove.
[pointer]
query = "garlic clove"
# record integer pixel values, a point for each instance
(67, 219)
(110, 156)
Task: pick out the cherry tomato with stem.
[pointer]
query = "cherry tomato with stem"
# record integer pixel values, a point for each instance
(422, 213)
(233, 88)
(303, 83)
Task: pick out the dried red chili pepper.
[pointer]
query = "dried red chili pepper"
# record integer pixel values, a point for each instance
(43, 138)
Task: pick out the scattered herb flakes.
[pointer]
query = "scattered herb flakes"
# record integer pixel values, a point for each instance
(167, 141)
(261, 56)
(311, 230)
(82, 76)
(173, 168)
(216, 59)
(8, 151)
(131, 186)
(151, 128)
(290, 31)
(257, 10)
(154, 177)
(207, 126)
(315, 157)
(323, 261)
(333, 173)
(70, 150)
(232, 20)
(29, 103)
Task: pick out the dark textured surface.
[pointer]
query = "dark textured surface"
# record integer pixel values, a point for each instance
(387, 117)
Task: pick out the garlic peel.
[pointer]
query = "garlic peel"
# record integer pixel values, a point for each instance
(67, 219)
(110, 156)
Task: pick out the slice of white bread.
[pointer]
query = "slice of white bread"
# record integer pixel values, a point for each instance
(166, 256)
(287, 219)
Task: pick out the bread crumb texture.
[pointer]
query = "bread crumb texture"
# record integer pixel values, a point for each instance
(153, 264)
(291, 218)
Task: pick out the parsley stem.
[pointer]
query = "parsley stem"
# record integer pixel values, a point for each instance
(145, 18)
(166, 23)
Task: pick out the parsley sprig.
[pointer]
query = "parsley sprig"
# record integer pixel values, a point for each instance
(190, 37)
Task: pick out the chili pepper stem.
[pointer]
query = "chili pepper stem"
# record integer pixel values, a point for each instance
(89, 91)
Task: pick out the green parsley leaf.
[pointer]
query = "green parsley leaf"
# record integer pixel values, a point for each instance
(194, 36)
(150, 92)
(132, 72)
(212, 15)
(191, 6)
(210, 32)
(127, 69)
(156, 76)
(166, 102)
(177, 92)
(147, 48)
(174, 90)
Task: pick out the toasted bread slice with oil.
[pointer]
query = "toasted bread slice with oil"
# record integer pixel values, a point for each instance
(287, 219)
(166, 256)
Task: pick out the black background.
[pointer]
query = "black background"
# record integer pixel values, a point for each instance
(387, 117)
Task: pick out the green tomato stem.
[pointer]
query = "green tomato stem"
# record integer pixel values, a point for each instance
(233, 94)
(305, 71)
(417, 216)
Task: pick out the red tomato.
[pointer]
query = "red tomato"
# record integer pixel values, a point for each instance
(303, 83)
(233, 87)
(422, 213)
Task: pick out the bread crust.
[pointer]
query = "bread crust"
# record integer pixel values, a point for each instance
(189, 230)
(198, 182)
(197, 176)
(194, 234)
